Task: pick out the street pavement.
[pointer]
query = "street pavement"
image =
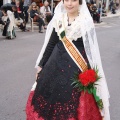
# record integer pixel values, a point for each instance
(17, 73)
(109, 42)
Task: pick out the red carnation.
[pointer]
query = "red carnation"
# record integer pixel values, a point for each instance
(87, 77)
(92, 75)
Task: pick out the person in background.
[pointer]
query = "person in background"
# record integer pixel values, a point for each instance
(96, 15)
(36, 17)
(111, 4)
(13, 2)
(9, 24)
(25, 9)
(19, 21)
(89, 8)
(19, 9)
(99, 7)
(45, 10)
(104, 13)
(113, 9)
(1, 21)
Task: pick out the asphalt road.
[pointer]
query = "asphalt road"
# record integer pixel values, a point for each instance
(17, 73)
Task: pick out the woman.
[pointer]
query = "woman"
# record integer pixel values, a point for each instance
(70, 46)
(36, 17)
(9, 24)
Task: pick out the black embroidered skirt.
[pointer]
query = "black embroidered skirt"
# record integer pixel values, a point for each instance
(54, 97)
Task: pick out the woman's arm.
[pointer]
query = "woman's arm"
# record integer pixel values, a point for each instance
(32, 14)
(54, 39)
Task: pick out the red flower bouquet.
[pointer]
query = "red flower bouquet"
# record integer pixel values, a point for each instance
(85, 81)
(89, 76)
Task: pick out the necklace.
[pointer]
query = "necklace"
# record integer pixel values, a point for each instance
(69, 24)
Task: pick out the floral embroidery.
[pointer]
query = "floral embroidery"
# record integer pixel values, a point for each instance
(92, 34)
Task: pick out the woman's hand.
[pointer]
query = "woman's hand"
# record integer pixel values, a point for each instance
(36, 14)
(38, 70)
(19, 11)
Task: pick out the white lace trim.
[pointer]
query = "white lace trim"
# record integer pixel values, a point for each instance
(73, 32)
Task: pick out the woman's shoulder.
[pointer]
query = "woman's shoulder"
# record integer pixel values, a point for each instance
(57, 19)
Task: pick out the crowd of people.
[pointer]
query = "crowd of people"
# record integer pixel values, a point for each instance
(113, 6)
(100, 9)
(94, 12)
(20, 12)
(97, 11)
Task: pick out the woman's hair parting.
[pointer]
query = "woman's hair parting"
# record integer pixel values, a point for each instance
(80, 2)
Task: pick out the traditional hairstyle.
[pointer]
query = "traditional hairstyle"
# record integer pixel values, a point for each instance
(80, 2)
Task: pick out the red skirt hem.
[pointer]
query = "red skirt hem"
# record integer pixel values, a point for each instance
(87, 109)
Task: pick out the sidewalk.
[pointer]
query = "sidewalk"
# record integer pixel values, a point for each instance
(109, 14)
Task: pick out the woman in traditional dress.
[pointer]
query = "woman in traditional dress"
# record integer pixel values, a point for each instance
(70, 46)
(9, 26)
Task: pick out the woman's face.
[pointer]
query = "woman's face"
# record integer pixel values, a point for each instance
(34, 7)
(71, 6)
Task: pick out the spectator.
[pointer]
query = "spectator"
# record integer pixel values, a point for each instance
(30, 7)
(19, 9)
(111, 4)
(45, 10)
(99, 7)
(96, 15)
(114, 9)
(104, 13)
(8, 19)
(89, 8)
(13, 2)
(36, 17)
(25, 9)
(19, 21)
